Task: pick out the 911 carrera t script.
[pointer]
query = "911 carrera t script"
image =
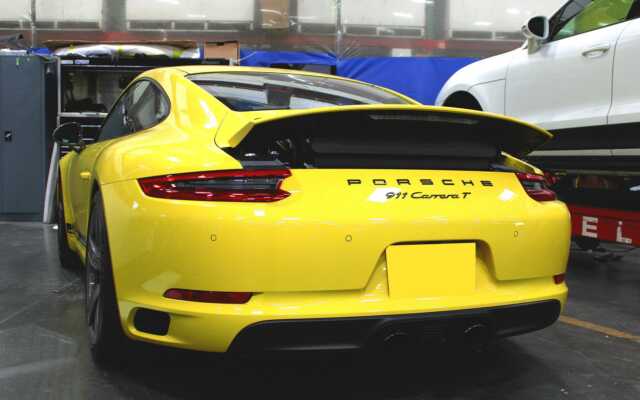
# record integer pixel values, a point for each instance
(426, 196)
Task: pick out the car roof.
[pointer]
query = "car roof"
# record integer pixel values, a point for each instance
(207, 69)
(204, 69)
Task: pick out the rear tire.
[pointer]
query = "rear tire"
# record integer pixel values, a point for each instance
(107, 341)
(68, 259)
(586, 243)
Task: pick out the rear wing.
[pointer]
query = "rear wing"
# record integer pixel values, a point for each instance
(404, 137)
(506, 134)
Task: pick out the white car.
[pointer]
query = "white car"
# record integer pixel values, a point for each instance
(577, 75)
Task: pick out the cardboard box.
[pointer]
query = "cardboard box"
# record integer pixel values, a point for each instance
(274, 14)
(229, 50)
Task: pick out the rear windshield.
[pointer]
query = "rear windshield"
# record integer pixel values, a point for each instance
(257, 91)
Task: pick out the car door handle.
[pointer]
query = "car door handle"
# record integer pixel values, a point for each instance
(86, 175)
(596, 51)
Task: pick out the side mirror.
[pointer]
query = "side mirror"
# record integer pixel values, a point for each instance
(69, 133)
(536, 30)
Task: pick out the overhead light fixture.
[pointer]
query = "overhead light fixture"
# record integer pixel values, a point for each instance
(402, 15)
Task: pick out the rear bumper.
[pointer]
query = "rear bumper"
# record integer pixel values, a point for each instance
(340, 334)
(347, 325)
(300, 270)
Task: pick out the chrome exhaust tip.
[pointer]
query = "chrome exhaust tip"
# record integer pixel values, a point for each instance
(397, 342)
(477, 337)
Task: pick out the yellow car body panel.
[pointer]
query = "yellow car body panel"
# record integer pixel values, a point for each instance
(320, 253)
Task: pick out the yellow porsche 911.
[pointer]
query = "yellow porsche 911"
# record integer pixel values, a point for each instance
(247, 210)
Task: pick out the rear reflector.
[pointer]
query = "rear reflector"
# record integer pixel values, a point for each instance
(558, 279)
(237, 185)
(208, 297)
(536, 187)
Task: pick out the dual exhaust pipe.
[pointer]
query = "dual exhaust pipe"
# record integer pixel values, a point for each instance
(476, 337)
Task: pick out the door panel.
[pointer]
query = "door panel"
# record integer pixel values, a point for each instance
(625, 106)
(82, 167)
(81, 180)
(567, 83)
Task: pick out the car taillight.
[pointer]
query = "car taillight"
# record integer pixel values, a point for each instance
(536, 187)
(203, 296)
(558, 279)
(259, 185)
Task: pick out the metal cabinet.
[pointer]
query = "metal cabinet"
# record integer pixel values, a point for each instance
(24, 135)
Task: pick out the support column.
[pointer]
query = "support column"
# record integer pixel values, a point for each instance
(34, 30)
(437, 13)
(339, 29)
(114, 15)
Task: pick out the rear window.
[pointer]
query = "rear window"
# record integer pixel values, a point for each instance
(257, 91)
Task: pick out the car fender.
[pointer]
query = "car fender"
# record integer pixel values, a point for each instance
(182, 142)
(481, 72)
(490, 96)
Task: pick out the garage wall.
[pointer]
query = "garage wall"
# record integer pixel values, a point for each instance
(349, 28)
(14, 14)
(189, 14)
(495, 20)
(69, 14)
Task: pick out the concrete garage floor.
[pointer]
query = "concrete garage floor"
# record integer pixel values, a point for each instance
(593, 354)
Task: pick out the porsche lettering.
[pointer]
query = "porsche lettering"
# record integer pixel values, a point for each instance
(421, 182)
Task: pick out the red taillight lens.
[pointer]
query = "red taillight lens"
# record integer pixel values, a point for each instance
(558, 279)
(238, 185)
(208, 297)
(536, 187)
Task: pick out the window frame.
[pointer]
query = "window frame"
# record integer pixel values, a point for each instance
(556, 30)
(126, 92)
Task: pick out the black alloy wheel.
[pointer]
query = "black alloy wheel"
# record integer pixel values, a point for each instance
(106, 338)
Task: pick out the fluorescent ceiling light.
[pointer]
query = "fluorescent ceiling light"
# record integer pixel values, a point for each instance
(270, 11)
(402, 15)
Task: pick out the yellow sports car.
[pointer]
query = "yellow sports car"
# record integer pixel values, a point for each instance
(231, 209)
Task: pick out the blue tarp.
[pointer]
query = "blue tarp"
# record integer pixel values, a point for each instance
(260, 58)
(418, 77)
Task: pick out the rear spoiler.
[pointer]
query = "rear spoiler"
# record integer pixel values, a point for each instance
(440, 123)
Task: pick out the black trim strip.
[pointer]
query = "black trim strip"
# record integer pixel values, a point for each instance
(619, 136)
(355, 333)
(587, 163)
